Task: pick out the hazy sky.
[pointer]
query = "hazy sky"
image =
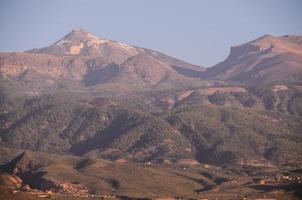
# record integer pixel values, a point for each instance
(198, 31)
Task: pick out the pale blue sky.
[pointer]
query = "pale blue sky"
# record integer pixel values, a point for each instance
(198, 31)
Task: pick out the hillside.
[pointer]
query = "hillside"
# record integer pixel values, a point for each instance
(117, 129)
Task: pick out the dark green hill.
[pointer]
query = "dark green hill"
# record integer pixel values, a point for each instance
(113, 129)
(228, 135)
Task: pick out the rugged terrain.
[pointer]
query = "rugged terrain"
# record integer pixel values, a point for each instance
(128, 117)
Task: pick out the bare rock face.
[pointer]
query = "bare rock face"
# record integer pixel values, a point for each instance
(264, 60)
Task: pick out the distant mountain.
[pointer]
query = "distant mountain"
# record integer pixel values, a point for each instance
(82, 43)
(83, 62)
(80, 60)
(267, 59)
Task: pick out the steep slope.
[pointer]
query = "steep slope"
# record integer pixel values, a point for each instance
(268, 59)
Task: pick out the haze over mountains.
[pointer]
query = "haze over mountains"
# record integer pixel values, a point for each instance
(95, 98)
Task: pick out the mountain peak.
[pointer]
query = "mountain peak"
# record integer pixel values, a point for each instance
(78, 36)
(81, 42)
(79, 33)
(78, 30)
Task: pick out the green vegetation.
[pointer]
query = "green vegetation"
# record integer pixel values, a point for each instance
(126, 128)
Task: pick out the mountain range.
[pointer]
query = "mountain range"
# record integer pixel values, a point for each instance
(100, 102)
(83, 60)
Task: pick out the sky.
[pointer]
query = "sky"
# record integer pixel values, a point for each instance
(198, 31)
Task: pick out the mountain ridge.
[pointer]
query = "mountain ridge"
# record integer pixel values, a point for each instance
(261, 61)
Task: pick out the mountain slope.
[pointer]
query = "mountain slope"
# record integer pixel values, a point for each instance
(268, 59)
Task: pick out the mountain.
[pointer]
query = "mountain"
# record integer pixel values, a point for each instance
(99, 117)
(80, 60)
(267, 59)
(81, 42)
